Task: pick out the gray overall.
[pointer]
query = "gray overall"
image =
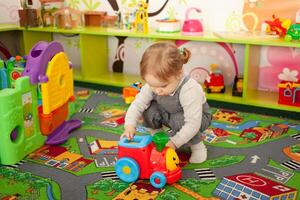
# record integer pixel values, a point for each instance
(167, 110)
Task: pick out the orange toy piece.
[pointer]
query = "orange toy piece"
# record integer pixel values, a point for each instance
(18, 58)
(82, 93)
(49, 122)
(130, 92)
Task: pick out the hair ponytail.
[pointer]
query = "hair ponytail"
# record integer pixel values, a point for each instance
(185, 55)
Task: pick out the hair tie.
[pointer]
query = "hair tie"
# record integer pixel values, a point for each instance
(181, 50)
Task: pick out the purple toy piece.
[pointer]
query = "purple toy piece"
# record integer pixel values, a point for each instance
(38, 58)
(14, 135)
(62, 133)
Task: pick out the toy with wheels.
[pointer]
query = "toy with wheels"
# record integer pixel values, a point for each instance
(146, 157)
(215, 82)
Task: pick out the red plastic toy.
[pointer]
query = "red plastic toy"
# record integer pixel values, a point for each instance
(141, 158)
(278, 25)
(215, 81)
(289, 93)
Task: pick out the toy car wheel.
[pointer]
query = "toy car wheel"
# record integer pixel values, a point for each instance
(208, 90)
(223, 90)
(158, 180)
(288, 38)
(127, 169)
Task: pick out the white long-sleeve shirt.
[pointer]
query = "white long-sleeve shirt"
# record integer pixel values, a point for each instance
(191, 98)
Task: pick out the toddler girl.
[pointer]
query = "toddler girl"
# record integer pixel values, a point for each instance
(170, 98)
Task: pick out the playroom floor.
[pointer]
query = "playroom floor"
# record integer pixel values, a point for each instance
(241, 146)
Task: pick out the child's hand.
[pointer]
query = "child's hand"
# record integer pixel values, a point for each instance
(171, 144)
(129, 132)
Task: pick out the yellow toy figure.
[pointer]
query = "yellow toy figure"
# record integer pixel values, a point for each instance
(141, 17)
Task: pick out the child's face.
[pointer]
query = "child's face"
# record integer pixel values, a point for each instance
(160, 87)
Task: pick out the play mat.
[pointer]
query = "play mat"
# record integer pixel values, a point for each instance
(250, 156)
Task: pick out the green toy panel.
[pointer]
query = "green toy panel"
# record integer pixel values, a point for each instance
(19, 127)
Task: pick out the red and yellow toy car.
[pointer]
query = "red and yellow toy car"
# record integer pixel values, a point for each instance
(146, 157)
(215, 82)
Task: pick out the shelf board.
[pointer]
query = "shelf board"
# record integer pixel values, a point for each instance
(267, 99)
(8, 27)
(110, 79)
(226, 97)
(239, 38)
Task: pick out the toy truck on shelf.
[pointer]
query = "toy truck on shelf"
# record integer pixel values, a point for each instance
(147, 157)
(215, 81)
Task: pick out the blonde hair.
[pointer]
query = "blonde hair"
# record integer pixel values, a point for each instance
(163, 60)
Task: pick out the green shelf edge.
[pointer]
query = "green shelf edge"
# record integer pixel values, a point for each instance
(207, 37)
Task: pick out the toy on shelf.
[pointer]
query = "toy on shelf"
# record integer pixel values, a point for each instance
(130, 92)
(278, 26)
(289, 88)
(192, 26)
(293, 33)
(48, 8)
(68, 18)
(237, 89)
(109, 21)
(93, 18)
(147, 157)
(28, 17)
(141, 17)
(168, 25)
(215, 82)
(126, 18)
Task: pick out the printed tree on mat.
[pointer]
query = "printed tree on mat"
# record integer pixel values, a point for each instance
(169, 195)
(249, 136)
(109, 186)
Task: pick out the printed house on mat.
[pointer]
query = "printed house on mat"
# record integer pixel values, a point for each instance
(213, 135)
(252, 186)
(60, 157)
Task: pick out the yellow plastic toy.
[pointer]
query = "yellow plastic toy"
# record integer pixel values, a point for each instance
(59, 88)
(141, 17)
